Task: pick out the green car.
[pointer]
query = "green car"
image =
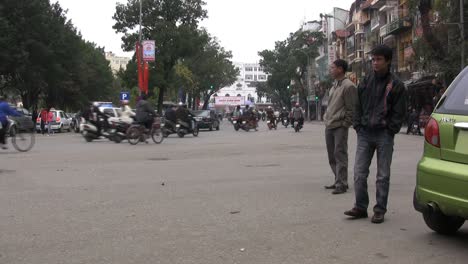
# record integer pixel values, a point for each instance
(441, 193)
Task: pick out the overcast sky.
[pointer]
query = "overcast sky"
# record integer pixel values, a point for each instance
(242, 26)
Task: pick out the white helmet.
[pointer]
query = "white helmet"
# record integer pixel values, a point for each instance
(181, 104)
(96, 104)
(269, 107)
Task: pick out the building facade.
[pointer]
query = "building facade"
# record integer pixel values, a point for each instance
(245, 85)
(116, 62)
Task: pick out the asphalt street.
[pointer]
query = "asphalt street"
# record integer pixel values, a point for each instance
(224, 197)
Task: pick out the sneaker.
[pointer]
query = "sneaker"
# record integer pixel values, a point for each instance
(330, 187)
(356, 213)
(378, 218)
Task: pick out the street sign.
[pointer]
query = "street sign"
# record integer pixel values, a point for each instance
(124, 96)
(149, 50)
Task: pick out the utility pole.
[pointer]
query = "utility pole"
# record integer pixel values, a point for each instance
(462, 34)
(141, 18)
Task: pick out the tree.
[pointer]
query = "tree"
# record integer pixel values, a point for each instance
(45, 59)
(438, 49)
(172, 24)
(287, 66)
(212, 69)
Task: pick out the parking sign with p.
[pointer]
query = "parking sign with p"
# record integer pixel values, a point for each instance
(124, 96)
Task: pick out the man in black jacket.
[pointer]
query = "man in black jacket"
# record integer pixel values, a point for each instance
(380, 112)
(144, 112)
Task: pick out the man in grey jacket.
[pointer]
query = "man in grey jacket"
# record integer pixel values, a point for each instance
(338, 118)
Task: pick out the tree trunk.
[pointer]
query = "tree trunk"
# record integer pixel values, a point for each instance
(434, 43)
(161, 99)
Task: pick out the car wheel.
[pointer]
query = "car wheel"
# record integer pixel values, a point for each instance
(443, 224)
(60, 129)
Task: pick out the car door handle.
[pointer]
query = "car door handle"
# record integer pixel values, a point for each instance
(462, 125)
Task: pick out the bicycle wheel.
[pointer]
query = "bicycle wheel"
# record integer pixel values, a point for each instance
(23, 141)
(133, 135)
(157, 135)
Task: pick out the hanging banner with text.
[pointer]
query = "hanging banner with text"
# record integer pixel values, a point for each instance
(149, 50)
(228, 100)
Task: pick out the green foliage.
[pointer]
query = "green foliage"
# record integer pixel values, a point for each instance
(44, 59)
(172, 24)
(288, 62)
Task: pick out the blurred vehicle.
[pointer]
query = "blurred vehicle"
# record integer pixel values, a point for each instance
(61, 121)
(19, 123)
(206, 119)
(442, 174)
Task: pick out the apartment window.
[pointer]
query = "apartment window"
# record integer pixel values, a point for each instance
(248, 77)
(248, 69)
(255, 69)
(262, 77)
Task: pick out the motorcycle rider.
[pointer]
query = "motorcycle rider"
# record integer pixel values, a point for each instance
(170, 116)
(5, 110)
(284, 114)
(145, 114)
(183, 114)
(271, 115)
(297, 115)
(249, 116)
(413, 119)
(97, 115)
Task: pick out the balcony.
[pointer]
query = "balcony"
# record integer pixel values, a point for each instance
(389, 5)
(377, 4)
(399, 25)
(384, 30)
(375, 23)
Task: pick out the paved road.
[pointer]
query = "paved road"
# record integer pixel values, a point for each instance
(224, 197)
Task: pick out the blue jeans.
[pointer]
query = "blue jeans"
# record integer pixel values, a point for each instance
(370, 141)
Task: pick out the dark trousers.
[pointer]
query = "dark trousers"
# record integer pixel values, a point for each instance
(3, 131)
(337, 148)
(43, 128)
(370, 141)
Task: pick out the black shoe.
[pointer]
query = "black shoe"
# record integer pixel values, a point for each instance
(356, 213)
(330, 187)
(378, 218)
(339, 190)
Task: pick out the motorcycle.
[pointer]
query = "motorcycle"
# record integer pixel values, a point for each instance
(169, 128)
(236, 123)
(285, 122)
(271, 123)
(298, 126)
(415, 129)
(246, 125)
(184, 128)
(116, 132)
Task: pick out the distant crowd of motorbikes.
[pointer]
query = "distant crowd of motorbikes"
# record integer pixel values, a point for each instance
(248, 118)
(95, 122)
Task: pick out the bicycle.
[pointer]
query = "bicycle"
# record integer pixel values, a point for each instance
(137, 132)
(22, 134)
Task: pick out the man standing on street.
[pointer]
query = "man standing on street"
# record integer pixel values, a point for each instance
(338, 119)
(380, 112)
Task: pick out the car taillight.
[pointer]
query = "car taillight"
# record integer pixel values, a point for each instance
(431, 133)
(38, 119)
(57, 119)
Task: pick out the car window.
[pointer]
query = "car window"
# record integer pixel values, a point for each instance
(456, 100)
(201, 113)
(109, 111)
